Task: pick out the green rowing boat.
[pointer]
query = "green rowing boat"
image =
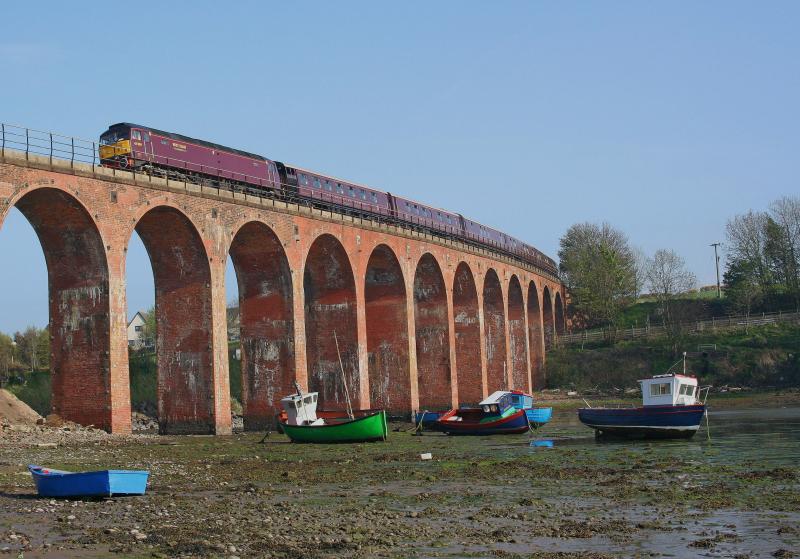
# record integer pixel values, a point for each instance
(371, 427)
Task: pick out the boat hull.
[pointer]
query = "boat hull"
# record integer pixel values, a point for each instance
(512, 424)
(538, 416)
(104, 483)
(426, 419)
(655, 422)
(372, 427)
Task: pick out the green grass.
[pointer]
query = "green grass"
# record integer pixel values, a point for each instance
(764, 356)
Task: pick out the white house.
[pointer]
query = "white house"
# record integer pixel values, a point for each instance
(136, 331)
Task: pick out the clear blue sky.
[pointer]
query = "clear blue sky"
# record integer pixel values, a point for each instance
(663, 118)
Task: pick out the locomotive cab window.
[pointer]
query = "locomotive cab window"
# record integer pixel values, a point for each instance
(146, 136)
(136, 135)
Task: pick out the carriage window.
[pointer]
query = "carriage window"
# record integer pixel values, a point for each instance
(374, 198)
(363, 195)
(317, 183)
(352, 192)
(328, 186)
(339, 188)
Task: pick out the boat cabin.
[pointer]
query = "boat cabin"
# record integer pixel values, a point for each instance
(669, 390)
(521, 401)
(301, 409)
(497, 403)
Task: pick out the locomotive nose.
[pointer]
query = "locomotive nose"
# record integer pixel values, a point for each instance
(117, 149)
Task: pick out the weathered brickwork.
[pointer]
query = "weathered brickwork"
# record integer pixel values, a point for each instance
(432, 335)
(387, 334)
(266, 322)
(421, 322)
(535, 337)
(494, 325)
(517, 338)
(466, 322)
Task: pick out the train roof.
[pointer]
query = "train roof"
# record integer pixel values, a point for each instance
(329, 177)
(183, 138)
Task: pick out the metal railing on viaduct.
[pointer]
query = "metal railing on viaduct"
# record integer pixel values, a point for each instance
(422, 321)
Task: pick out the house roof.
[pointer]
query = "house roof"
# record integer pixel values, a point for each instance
(139, 314)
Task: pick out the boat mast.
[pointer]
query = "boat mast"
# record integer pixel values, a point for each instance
(344, 378)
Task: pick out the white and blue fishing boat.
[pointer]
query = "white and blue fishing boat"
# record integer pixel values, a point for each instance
(671, 408)
(103, 483)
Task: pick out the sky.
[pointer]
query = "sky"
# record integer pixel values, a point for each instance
(664, 119)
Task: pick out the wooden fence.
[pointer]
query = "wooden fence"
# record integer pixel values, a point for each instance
(712, 324)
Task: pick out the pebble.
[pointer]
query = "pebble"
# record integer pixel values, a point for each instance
(71, 517)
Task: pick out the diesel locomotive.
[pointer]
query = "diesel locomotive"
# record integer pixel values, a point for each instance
(148, 150)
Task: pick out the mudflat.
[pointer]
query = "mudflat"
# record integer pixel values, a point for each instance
(735, 493)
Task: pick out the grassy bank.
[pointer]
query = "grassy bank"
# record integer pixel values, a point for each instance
(765, 356)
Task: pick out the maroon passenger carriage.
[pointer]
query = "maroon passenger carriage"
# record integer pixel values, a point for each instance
(149, 150)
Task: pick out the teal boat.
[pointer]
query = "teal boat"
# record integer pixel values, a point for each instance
(300, 423)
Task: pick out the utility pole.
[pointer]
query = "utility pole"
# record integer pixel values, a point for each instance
(716, 263)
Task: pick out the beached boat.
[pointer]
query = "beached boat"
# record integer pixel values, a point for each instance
(103, 483)
(301, 423)
(496, 415)
(671, 408)
(519, 400)
(536, 416)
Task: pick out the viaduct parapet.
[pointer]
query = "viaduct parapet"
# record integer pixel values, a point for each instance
(422, 322)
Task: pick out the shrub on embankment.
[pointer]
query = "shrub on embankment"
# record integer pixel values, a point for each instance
(764, 356)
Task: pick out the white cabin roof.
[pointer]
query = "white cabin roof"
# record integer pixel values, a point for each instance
(494, 397)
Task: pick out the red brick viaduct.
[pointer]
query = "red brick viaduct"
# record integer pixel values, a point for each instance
(422, 322)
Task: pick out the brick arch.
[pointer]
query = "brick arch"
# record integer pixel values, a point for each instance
(387, 332)
(494, 330)
(266, 315)
(466, 319)
(186, 389)
(548, 322)
(535, 337)
(560, 322)
(517, 336)
(79, 308)
(432, 335)
(330, 306)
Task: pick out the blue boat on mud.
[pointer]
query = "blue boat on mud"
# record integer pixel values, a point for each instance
(104, 483)
(503, 412)
(671, 409)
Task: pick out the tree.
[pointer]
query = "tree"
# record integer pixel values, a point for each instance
(149, 328)
(667, 277)
(6, 353)
(598, 267)
(785, 216)
(743, 289)
(767, 246)
(27, 347)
